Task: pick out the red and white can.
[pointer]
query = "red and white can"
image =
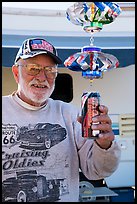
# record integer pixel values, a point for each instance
(90, 102)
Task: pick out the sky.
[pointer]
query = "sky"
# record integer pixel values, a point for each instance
(39, 5)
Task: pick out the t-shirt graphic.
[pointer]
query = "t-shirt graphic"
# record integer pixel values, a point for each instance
(41, 136)
(28, 163)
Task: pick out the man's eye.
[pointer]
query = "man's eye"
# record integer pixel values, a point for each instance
(47, 68)
(34, 69)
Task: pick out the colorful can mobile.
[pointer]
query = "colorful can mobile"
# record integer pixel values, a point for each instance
(90, 102)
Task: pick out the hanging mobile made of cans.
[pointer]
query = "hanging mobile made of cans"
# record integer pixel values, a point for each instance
(92, 16)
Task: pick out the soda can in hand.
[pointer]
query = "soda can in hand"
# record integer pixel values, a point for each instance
(90, 102)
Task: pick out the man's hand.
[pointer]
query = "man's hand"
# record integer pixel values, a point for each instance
(106, 135)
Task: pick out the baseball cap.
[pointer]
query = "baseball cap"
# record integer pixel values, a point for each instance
(35, 46)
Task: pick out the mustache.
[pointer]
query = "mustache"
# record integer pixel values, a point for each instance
(36, 82)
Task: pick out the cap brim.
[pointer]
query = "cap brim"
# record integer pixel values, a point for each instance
(55, 58)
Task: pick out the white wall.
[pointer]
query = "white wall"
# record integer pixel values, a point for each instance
(117, 89)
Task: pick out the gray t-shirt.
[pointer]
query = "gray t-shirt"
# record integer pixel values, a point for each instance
(43, 151)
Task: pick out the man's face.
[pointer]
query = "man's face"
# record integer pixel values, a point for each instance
(35, 89)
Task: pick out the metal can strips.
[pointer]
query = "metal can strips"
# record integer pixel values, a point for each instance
(90, 102)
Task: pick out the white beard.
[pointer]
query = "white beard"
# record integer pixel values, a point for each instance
(29, 94)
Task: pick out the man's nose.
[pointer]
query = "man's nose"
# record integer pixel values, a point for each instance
(41, 75)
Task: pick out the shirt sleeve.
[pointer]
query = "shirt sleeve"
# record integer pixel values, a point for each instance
(95, 162)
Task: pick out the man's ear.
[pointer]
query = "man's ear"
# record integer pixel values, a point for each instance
(15, 72)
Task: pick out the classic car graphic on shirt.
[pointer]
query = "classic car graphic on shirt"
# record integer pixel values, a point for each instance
(28, 186)
(41, 136)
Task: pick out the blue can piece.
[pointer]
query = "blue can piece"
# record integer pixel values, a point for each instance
(110, 4)
(100, 5)
(67, 16)
(86, 7)
(75, 67)
(114, 7)
(91, 74)
(90, 49)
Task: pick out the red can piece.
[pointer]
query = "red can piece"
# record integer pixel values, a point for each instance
(90, 107)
